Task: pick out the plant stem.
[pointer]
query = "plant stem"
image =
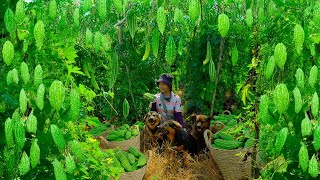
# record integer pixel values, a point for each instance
(120, 41)
(129, 81)
(217, 76)
(110, 104)
(255, 168)
(52, 114)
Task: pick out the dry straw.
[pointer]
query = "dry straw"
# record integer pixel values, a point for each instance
(165, 167)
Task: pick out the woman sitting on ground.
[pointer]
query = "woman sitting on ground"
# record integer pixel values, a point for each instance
(166, 103)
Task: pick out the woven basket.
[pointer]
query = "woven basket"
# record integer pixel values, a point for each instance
(123, 145)
(137, 174)
(231, 163)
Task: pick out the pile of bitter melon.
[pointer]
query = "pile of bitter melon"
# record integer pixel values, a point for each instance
(140, 124)
(98, 130)
(234, 135)
(130, 160)
(124, 132)
(227, 120)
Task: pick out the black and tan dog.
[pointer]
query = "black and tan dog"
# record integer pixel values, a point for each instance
(152, 120)
(178, 139)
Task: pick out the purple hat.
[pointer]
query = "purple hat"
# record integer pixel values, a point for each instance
(166, 79)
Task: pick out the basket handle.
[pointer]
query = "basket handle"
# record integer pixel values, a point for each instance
(226, 112)
(207, 137)
(218, 123)
(214, 129)
(103, 142)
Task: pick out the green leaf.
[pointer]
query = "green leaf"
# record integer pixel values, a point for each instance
(70, 53)
(22, 34)
(280, 165)
(111, 94)
(93, 121)
(315, 38)
(74, 69)
(90, 109)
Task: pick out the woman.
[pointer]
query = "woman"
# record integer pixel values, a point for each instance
(166, 102)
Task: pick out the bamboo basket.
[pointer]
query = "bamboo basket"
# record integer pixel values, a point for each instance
(139, 173)
(233, 164)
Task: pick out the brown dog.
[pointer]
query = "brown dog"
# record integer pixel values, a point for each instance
(152, 120)
(201, 123)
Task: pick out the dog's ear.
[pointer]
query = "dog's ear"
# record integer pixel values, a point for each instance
(176, 125)
(145, 117)
(193, 117)
(209, 118)
(159, 116)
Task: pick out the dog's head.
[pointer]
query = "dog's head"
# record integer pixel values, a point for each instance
(152, 119)
(170, 127)
(201, 122)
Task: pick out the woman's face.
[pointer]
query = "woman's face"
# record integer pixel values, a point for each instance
(163, 87)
